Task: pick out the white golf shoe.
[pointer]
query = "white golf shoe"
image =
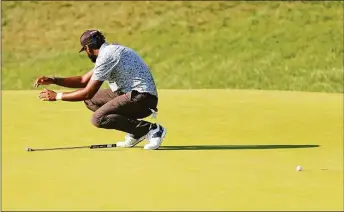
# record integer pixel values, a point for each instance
(155, 136)
(130, 141)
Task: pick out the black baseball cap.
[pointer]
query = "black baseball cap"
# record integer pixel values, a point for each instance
(86, 38)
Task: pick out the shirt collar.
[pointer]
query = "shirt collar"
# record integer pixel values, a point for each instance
(103, 46)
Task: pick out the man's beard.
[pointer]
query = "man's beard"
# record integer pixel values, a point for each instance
(92, 57)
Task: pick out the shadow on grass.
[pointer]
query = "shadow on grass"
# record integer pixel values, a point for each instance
(229, 147)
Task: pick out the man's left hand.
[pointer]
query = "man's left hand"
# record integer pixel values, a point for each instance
(47, 95)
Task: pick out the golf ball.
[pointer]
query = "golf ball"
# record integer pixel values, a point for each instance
(298, 168)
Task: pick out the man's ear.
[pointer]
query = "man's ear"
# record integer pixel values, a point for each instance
(87, 49)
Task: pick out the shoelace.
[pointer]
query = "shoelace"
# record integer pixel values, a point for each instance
(150, 133)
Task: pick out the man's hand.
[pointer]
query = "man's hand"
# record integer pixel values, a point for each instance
(43, 80)
(47, 95)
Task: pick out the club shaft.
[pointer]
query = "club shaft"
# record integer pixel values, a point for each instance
(96, 146)
(61, 148)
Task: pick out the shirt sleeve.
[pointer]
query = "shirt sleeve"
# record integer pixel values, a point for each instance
(105, 64)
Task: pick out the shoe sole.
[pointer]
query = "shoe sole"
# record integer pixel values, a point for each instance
(162, 138)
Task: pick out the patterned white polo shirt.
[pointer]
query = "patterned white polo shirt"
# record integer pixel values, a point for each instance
(123, 69)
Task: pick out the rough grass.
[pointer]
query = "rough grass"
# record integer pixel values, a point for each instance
(256, 45)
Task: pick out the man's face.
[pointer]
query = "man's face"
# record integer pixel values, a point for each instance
(91, 54)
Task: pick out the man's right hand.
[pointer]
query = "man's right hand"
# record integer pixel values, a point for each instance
(69, 82)
(43, 80)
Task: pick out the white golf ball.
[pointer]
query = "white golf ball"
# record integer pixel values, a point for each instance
(298, 168)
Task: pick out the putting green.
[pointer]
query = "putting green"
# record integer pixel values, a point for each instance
(224, 150)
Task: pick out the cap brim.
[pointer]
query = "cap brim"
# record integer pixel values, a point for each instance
(82, 49)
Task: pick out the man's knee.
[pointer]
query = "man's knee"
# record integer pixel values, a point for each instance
(96, 120)
(90, 105)
(100, 120)
(88, 102)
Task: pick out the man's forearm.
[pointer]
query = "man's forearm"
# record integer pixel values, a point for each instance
(82, 94)
(70, 82)
(78, 95)
(74, 82)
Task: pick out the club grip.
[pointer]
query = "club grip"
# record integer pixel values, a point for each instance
(97, 146)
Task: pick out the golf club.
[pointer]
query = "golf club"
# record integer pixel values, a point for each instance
(96, 146)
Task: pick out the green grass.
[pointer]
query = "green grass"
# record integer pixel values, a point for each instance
(246, 45)
(238, 151)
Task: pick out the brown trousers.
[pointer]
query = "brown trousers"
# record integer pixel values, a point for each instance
(121, 111)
